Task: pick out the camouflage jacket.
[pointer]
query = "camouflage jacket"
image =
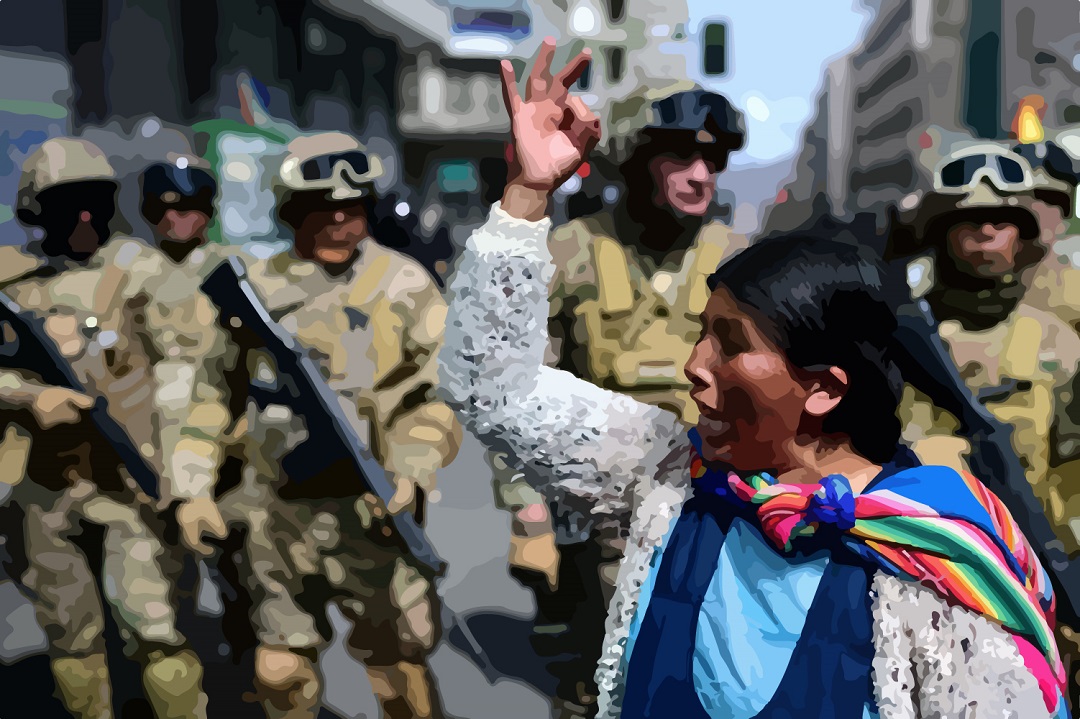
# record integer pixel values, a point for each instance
(139, 333)
(620, 320)
(1024, 369)
(375, 332)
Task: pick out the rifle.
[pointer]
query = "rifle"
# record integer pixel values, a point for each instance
(33, 350)
(332, 437)
(993, 459)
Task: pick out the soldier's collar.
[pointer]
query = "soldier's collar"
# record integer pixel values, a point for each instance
(288, 263)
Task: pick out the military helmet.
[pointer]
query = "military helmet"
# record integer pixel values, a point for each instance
(334, 164)
(681, 117)
(984, 181)
(182, 181)
(60, 161)
(703, 117)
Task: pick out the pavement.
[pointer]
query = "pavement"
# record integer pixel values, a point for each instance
(470, 534)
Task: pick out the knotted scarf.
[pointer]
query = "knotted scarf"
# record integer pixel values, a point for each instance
(931, 525)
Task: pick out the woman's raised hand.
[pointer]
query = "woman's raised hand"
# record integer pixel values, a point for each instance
(553, 131)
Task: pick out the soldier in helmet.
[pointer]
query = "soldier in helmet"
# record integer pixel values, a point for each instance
(178, 202)
(987, 259)
(628, 290)
(108, 324)
(373, 319)
(68, 193)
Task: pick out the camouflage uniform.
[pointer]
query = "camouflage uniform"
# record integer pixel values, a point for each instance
(374, 330)
(124, 343)
(1016, 341)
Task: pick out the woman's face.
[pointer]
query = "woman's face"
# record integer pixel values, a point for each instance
(751, 403)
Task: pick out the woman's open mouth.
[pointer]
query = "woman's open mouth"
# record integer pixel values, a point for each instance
(712, 424)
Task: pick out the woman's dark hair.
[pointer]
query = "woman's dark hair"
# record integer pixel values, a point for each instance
(823, 303)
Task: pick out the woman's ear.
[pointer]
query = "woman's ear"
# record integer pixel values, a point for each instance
(827, 392)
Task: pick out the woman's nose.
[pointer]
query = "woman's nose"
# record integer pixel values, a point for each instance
(698, 368)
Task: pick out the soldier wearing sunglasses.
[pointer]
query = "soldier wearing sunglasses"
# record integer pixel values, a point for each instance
(373, 318)
(1005, 287)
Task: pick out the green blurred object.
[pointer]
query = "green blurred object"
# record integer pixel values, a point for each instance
(26, 107)
(714, 49)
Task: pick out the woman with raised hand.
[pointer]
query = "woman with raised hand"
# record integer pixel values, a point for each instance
(786, 557)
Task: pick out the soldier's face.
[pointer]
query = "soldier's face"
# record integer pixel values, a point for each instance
(85, 238)
(987, 249)
(753, 407)
(330, 234)
(687, 186)
(184, 226)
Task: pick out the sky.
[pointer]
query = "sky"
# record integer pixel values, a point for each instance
(778, 53)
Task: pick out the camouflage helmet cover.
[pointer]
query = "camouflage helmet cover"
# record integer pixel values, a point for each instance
(333, 163)
(60, 161)
(681, 111)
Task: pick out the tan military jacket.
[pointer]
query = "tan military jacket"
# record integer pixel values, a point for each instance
(636, 322)
(1025, 369)
(375, 332)
(137, 331)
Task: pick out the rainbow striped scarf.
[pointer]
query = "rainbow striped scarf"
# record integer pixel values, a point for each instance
(926, 524)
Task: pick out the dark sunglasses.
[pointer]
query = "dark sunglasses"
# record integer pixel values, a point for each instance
(322, 167)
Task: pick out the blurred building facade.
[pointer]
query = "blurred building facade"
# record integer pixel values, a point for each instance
(926, 75)
(417, 80)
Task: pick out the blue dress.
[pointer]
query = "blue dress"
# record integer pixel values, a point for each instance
(729, 628)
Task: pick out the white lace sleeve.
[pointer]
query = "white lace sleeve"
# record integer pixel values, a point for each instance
(568, 435)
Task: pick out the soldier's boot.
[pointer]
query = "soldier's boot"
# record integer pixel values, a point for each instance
(83, 683)
(405, 691)
(173, 685)
(286, 684)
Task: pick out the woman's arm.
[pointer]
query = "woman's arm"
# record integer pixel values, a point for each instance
(565, 432)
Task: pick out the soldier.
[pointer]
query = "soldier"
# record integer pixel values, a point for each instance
(373, 318)
(1003, 288)
(178, 202)
(113, 331)
(628, 290)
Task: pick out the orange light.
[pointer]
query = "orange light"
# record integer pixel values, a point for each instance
(1027, 125)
